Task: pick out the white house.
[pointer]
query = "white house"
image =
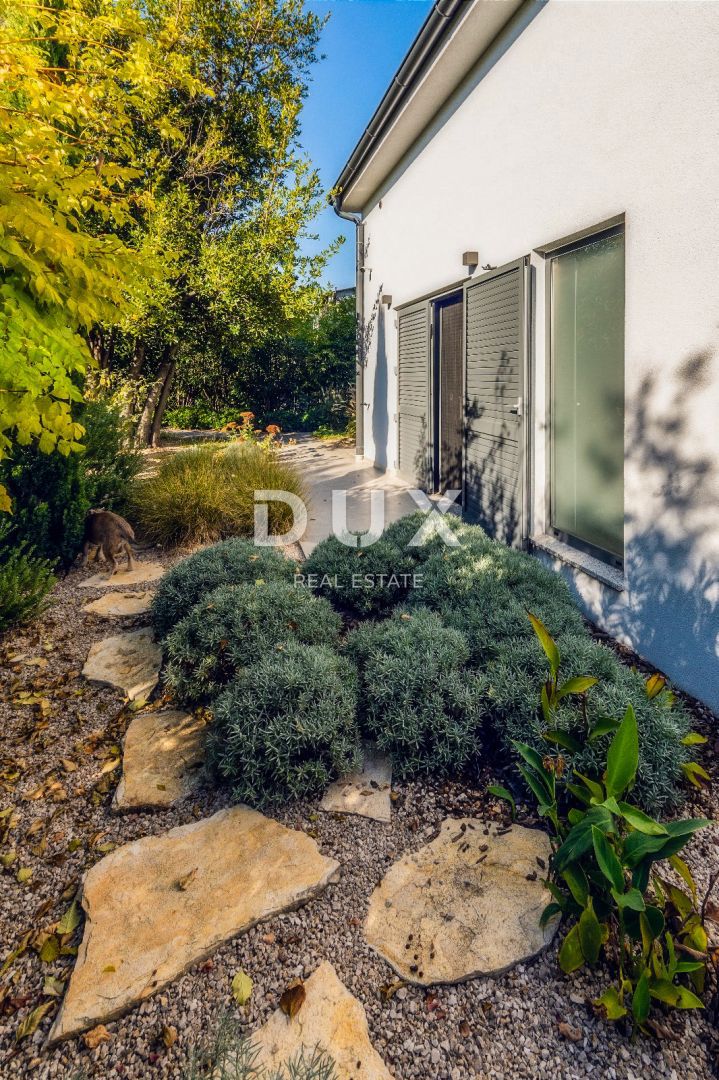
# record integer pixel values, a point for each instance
(537, 207)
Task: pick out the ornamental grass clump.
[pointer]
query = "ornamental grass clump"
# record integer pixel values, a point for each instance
(367, 581)
(417, 699)
(234, 627)
(231, 562)
(287, 726)
(206, 493)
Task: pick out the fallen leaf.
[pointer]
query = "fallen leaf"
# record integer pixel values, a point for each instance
(388, 991)
(31, 1021)
(293, 998)
(169, 1035)
(572, 1033)
(184, 882)
(8, 858)
(23, 875)
(269, 939)
(97, 1035)
(465, 1030)
(50, 949)
(110, 765)
(74, 844)
(108, 969)
(70, 920)
(242, 988)
(53, 987)
(68, 766)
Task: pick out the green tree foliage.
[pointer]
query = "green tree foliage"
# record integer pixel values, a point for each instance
(233, 197)
(79, 79)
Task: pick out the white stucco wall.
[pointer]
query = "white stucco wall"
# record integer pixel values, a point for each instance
(593, 110)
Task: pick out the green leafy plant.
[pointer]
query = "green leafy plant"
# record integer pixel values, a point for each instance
(369, 580)
(417, 700)
(25, 581)
(553, 690)
(230, 562)
(234, 626)
(606, 873)
(287, 726)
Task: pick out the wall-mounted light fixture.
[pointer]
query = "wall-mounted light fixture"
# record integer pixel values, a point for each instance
(470, 259)
(386, 299)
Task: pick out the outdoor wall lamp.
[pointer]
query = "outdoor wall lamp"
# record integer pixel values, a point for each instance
(470, 259)
(386, 298)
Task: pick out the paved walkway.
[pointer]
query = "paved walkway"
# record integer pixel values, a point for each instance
(326, 466)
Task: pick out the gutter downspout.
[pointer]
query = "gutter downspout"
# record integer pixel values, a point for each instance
(359, 308)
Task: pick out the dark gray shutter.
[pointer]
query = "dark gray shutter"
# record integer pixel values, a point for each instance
(494, 456)
(413, 413)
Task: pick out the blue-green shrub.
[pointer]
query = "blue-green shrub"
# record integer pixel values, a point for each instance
(287, 726)
(234, 626)
(417, 700)
(368, 581)
(231, 562)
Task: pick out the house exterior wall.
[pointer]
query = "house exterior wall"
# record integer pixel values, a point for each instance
(591, 111)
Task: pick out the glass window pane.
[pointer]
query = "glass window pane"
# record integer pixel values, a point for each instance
(588, 393)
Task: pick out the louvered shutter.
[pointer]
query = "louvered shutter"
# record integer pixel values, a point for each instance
(413, 414)
(495, 337)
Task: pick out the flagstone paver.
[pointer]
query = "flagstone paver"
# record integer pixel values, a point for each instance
(143, 572)
(467, 904)
(330, 1018)
(366, 792)
(156, 906)
(162, 760)
(131, 662)
(119, 603)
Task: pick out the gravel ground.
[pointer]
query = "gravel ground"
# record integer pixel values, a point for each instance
(52, 754)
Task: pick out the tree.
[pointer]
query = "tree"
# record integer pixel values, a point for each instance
(78, 80)
(231, 200)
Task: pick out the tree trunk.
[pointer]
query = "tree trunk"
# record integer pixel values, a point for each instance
(162, 403)
(138, 358)
(145, 424)
(102, 347)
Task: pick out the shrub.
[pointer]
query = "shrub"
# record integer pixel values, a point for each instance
(25, 581)
(286, 727)
(231, 562)
(206, 493)
(235, 626)
(51, 494)
(365, 580)
(416, 699)
(514, 682)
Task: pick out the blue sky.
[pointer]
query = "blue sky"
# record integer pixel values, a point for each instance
(363, 43)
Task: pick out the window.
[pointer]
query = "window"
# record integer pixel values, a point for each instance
(587, 395)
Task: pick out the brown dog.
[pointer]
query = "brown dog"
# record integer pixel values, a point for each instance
(109, 535)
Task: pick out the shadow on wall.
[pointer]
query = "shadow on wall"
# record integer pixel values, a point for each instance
(670, 610)
(380, 413)
(491, 497)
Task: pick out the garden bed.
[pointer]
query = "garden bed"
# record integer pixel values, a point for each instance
(57, 756)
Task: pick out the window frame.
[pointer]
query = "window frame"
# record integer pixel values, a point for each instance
(612, 227)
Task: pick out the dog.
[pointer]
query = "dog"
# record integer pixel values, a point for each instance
(109, 535)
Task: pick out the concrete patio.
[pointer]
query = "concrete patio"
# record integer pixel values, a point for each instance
(327, 466)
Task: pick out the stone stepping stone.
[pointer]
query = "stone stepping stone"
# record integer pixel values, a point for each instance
(467, 904)
(331, 1019)
(129, 661)
(118, 603)
(143, 572)
(366, 792)
(162, 760)
(160, 904)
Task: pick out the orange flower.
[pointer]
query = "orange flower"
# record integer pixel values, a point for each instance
(247, 416)
(273, 429)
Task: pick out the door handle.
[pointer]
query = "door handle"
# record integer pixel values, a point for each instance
(517, 409)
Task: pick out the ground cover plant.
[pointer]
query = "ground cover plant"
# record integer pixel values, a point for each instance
(231, 562)
(229, 1055)
(418, 701)
(234, 627)
(206, 493)
(286, 727)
